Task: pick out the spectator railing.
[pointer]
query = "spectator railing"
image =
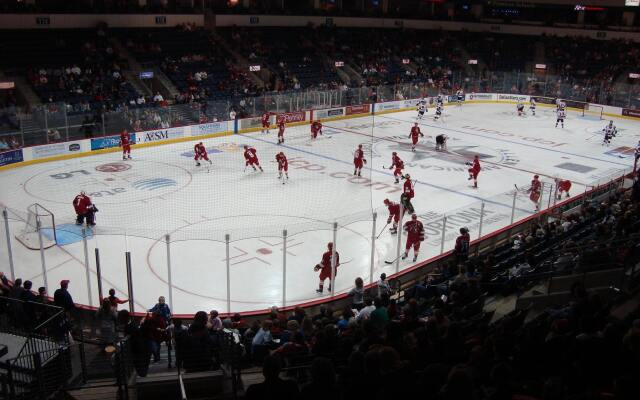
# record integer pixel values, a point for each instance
(58, 122)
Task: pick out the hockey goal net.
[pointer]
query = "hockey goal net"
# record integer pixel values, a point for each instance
(593, 111)
(38, 219)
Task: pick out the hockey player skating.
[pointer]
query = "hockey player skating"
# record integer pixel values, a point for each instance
(283, 166)
(414, 135)
(280, 130)
(422, 108)
(474, 170)
(441, 142)
(520, 108)
(438, 113)
(560, 115)
(459, 97)
(415, 235)
(316, 128)
(394, 214)
(251, 158)
(125, 143)
(407, 194)
(534, 191)
(562, 186)
(325, 267)
(610, 132)
(440, 100)
(265, 122)
(532, 106)
(358, 160)
(398, 164)
(200, 153)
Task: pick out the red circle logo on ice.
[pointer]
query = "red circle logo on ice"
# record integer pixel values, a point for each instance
(113, 167)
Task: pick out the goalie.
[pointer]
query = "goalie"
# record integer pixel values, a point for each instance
(85, 209)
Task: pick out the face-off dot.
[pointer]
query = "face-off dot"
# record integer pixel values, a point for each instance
(263, 251)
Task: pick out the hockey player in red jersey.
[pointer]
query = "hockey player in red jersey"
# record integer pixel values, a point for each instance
(414, 135)
(415, 235)
(280, 130)
(316, 127)
(84, 209)
(283, 166)
(394, 213)
(398, 164)
(265, 122)
(407, 194)
(251, 158)
(325, 267)
(563, 185)
(474, 170)
(534, 191)
(125, 143)
(358, 160)
(200, 153)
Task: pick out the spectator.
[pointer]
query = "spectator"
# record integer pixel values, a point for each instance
(162, 309)
(62, 298)
(323, 381)
(154, 327)
(42, 295)
(177, 334)
(114, 300)
(215, 323)
(384, 289)
(158, 98)
(273, 386)
(357, 294)
(263, 341)
(16, 289)
(53, 135)
(366, 311)
(139, 348)
(106, 319)
(379, 317)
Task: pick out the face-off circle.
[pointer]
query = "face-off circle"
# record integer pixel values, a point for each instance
(110, 183)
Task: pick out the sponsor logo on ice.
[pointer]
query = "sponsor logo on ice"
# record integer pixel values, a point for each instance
(153, 183)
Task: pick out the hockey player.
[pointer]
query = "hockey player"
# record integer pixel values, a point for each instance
(561, 113)
(474, 170)
(265, 122)
(520, 108)
(534, 191)
(200, 153)
(251, 158)
(316, 127)
(84, 209)
(532, 106)
(422, 108)
(281, 130)
(414, 134)
(610, 132)
(358, 160)
(125, 143)
(398, 164)
(441, 142)
(407, 194)
(440, 100)
(415, 235)
(438, 112)
(394, 213)
(562, 185)
(560, 105)
(283, 166)
(325, 267)
(459, 97)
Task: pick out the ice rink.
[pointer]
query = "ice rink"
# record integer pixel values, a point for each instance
(161, 192)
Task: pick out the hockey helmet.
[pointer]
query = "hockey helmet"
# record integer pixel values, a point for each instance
(330, 245)
(407, 176)
(536, 177)
(83, 193)
(476, 157)
(359, 146)
(394, 154)
(386, 201)
(414, 216)
(464, 230)
(415, 124)
(245, 147)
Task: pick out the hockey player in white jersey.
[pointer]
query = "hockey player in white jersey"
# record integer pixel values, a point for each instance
(520, 108)
(440, 100)
(459, 97)
(560, 115)
(532, 106)
(422, 108)
(609, 133)
(438, 113)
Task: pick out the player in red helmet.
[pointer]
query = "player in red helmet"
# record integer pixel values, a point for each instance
(358, 160)
(415, 235)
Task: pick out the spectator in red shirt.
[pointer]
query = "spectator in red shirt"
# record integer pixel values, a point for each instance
(115, 300)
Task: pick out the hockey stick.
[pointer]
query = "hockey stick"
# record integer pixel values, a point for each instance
(391, 262)
(382, 230)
